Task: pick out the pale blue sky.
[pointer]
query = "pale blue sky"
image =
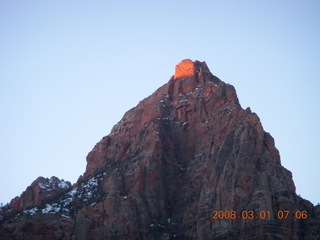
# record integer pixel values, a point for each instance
(69, 70)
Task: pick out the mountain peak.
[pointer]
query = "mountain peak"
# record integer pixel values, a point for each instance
(188, 68)
(168, 170)
(41, 190)
(184, 69)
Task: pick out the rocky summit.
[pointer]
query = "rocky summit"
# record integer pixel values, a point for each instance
(186, 163)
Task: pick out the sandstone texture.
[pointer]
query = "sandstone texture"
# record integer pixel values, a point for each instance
(185, 151)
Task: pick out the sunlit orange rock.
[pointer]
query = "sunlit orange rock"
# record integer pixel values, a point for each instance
(185, 68)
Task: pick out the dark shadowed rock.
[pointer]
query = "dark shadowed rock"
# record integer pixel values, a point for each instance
(185, 151)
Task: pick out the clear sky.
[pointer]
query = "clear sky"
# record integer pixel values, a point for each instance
(69, 70)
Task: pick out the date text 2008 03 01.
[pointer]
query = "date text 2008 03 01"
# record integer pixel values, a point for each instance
(282, 214)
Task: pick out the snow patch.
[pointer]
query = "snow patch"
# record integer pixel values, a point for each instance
(63, 184)
(53, 208)
(30, 211)
(72, 192)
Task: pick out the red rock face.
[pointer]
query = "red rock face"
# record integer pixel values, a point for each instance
(185, 151)
(41, 190)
